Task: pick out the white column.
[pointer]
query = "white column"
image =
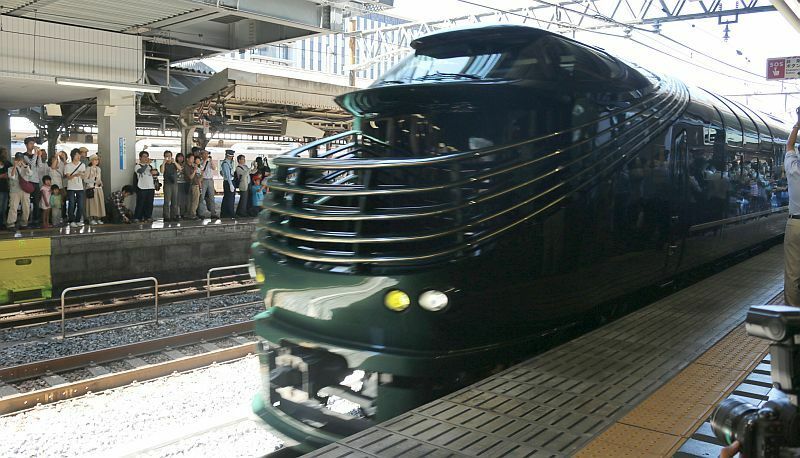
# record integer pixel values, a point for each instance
(116, 137)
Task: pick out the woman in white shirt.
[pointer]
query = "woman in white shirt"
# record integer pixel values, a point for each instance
(55, 170)
(95, 203)
(74, 173)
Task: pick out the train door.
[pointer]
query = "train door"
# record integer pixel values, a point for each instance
(678, 200)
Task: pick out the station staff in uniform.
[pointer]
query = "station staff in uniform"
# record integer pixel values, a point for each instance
(229, 189)
(791, 239)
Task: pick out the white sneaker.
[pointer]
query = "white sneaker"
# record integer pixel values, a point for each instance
(80, 224)
(99, 221)
(73, 225)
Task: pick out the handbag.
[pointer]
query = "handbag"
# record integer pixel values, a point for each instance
(90, 191)
(26, 186)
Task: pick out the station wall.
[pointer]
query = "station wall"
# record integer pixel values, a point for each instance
(169, 254)
(31, 49)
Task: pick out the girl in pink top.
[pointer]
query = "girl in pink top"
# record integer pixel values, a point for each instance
(44, 204)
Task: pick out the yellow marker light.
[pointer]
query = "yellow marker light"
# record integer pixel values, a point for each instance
(396, 300)
(260, 277)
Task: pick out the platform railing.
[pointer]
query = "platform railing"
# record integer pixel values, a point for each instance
(103, 285)
(208, 281)
(648, 117)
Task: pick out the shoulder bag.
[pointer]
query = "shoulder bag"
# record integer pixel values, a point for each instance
(26, 186)
(90, 191)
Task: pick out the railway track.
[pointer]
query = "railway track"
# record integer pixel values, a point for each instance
(39, 312)
(151, 360)
(42, 382)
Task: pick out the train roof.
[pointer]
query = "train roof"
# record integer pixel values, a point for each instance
(509, 32)
(495, 33)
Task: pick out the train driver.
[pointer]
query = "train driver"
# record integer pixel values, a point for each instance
(791, 239)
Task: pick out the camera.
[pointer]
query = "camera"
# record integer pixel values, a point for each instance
(773, 429)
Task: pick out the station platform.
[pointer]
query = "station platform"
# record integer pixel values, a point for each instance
(169, 251)
(643, 385)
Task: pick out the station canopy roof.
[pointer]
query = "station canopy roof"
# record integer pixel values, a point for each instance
(184, 29)
(249, 101)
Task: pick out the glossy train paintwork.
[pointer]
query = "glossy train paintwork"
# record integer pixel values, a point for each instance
(618, 220)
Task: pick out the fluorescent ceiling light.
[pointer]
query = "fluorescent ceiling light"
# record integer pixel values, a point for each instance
(109, 85)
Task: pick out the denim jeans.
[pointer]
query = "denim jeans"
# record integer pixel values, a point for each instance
(144, 204)
(3, 206)
(207, 194)
(74, 206)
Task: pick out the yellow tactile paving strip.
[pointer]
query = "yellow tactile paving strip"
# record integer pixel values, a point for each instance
(662, 422)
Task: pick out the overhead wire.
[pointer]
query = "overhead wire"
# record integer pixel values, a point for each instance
(604, 18)
(628, 37)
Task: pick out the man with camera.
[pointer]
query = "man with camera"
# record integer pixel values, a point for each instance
(34, 160)
(791, 239)
(207, 169)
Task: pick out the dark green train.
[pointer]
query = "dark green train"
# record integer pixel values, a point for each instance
(500, 182)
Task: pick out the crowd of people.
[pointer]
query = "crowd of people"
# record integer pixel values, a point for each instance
(69, 190)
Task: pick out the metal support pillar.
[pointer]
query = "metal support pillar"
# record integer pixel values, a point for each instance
(188, 127)
(116, 137)
(52, 138)
(5, 130)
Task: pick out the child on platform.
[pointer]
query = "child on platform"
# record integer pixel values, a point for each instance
(56, 205)
(257, 192)
(44, 204)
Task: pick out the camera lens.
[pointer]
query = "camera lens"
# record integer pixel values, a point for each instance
(729, 419)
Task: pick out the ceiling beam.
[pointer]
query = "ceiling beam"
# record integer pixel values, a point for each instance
(183, 19)
(29, 7)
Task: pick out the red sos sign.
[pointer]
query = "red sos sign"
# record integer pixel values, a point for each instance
(776, 69)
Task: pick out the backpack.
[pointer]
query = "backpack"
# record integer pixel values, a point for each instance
(236, 179)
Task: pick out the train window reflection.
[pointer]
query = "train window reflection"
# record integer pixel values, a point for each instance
(547, 58)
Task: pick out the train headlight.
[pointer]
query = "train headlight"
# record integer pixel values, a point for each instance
(433, 300)
(396, 300)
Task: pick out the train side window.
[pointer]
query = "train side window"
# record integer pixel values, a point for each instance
(748, 126)
(733, 129)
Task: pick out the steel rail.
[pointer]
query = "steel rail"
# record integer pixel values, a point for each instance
(350, 214)
(29, 400)
(39, 368)
(677, 105)
(166, 288)
(293, 160)
(334, 191)
(272, 226)
(737, 219)
(128, 303)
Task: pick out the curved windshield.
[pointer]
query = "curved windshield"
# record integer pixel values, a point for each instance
(548, 58)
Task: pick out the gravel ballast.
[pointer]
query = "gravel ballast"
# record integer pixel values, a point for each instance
(155, 418)
(27, 345)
